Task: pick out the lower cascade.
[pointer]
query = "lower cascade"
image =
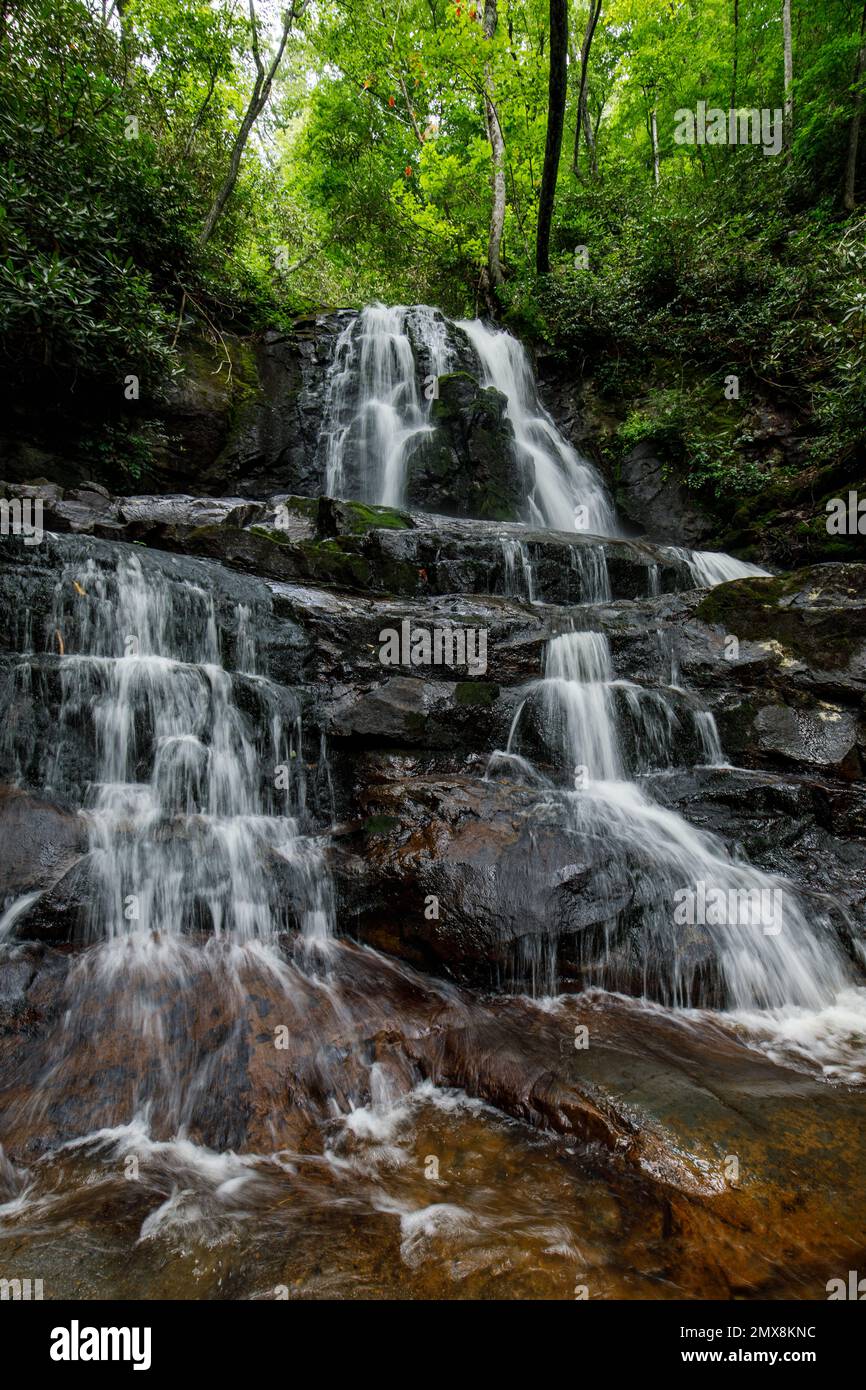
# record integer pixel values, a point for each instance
(309, 941)
(659, 854)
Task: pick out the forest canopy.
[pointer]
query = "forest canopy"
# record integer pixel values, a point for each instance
(231, 164)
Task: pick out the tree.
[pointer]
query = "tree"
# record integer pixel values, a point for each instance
(556, 95)
(856, 119)
(789, 70)
(497, 155)
(654, 133)
(736, 55)
(257, 103)
(582, 119)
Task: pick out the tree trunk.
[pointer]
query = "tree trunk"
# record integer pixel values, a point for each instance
(590, 136)
(736, 54)
(581, 118)
(557, 85)
(258, 102)
(856, 118)
(497, 154)
(789, 70)
(655, 141)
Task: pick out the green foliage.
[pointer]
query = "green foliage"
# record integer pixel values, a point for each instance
(369, 176)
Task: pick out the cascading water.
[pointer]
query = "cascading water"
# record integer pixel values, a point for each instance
(519, 578)
(378, 407)
(771, 956)
(375, 406)
(567, 493)
(173, 753)
(199, 873)
(278, 1090)
(710, 567)
(376, 413)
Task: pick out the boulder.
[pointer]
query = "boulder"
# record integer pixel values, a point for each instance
(40, 840)
(468, 465)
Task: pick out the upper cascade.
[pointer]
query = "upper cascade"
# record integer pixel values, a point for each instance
(381, 385)
(378, 404)
(568, 493)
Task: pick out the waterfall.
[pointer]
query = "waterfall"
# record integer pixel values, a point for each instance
(710, 567)
(590, 562)
(376, 410)
(578, 699)
(514, 555)
(708, 735)
(189, 809)
(769, 953)
(568, 493)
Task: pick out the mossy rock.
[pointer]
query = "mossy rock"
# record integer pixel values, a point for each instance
(475, 693)
(340, 517)
(818, 614)
(467, 465)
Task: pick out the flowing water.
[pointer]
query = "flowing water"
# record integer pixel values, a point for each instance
(769, 952)
(378, 410)
(280, 1109)
(567, 493)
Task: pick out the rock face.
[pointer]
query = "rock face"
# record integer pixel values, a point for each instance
(468, 466)
(247, 419)
(656, 503)
(486, 882)
(650, 495)
(463, 878)
(257, 430)
(324, 585)
(41, 842)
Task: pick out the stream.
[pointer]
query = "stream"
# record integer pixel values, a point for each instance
(320, 979)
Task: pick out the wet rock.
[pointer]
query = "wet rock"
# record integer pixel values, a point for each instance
(656, 503)
(287, 1053)
(818, 615)
(39, 489)
(468, 466)
(39, 842)
(492, 883)
(780, 662)
(812, 831)
(246, 414)
(827, 737)
(411, 712)
(58, 917)
(85, 513)
(15, 979)
(156, 519)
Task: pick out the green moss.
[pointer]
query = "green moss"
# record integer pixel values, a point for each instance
(331, 562)
(363, 516)
(755, 609)
(270, 533)
(475, 693)
(304, 506)
(727, 603)
(380, 825)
